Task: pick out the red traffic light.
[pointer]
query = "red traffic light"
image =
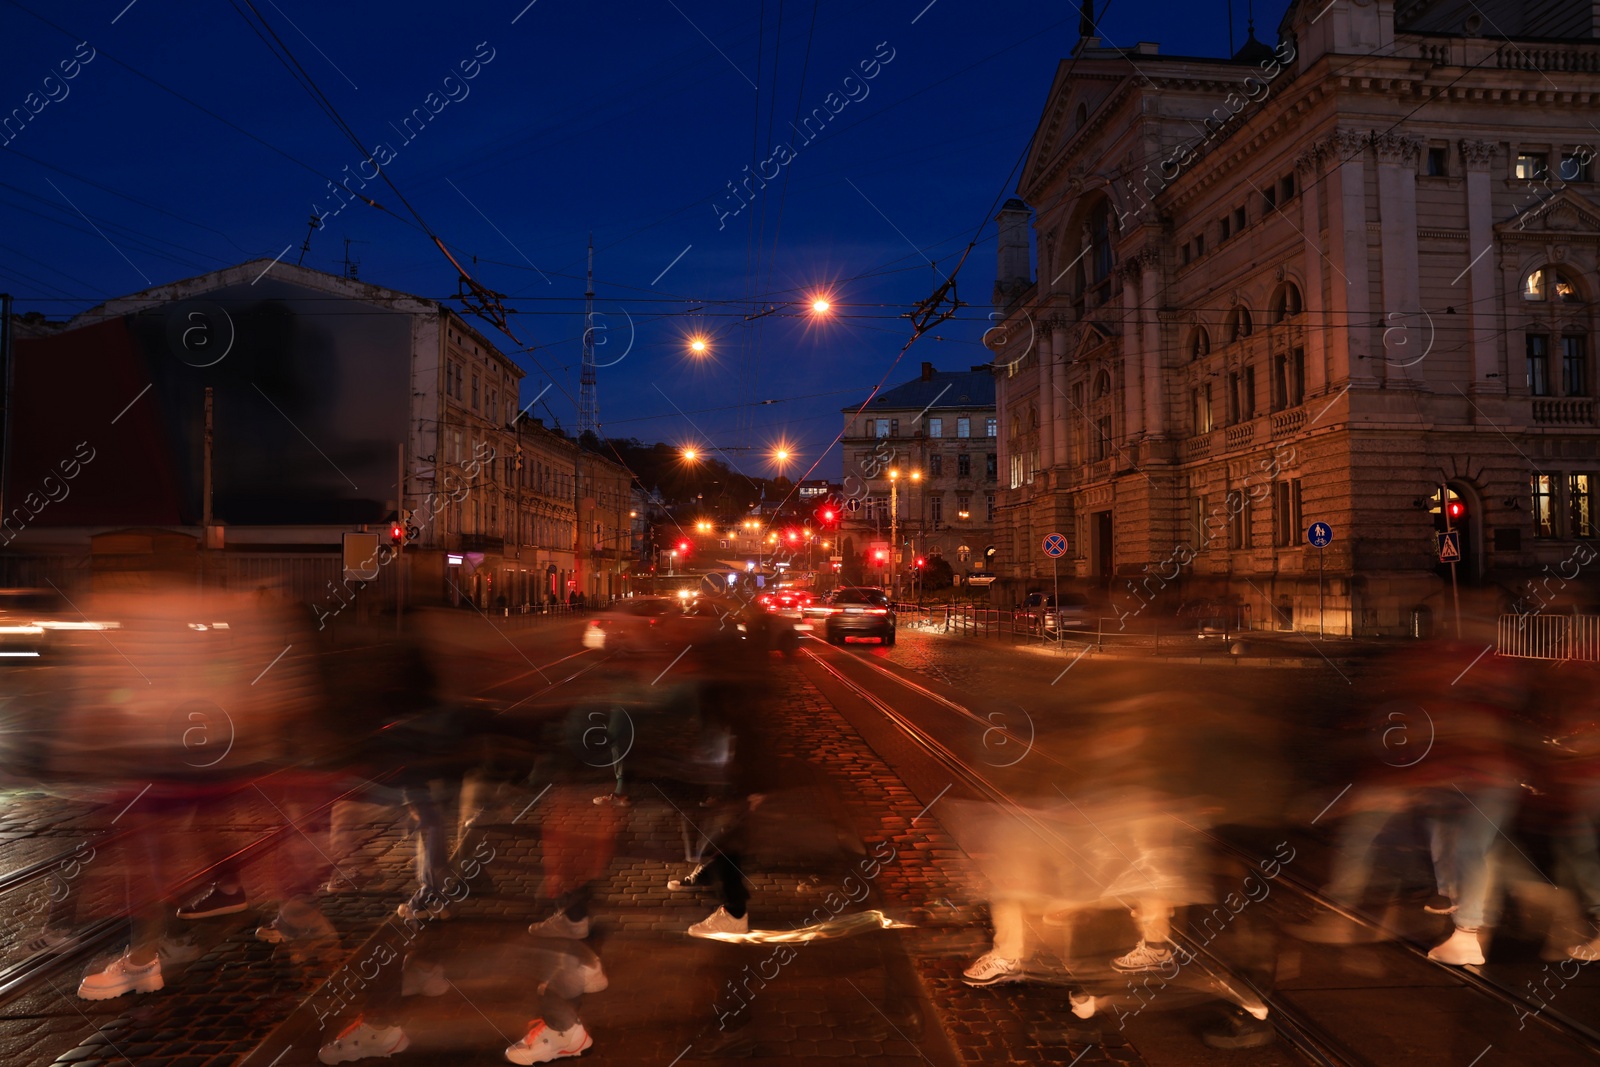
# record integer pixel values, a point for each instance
(828, 515)
(921, 562)
(1455, 509)
(397, 533)
(793, 536)
(683, 546)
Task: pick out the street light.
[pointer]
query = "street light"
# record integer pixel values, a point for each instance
(699, 345)
(820, 305)
(894, 517)
(690, 455)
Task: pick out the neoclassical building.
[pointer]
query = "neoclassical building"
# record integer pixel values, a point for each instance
(1351, 280)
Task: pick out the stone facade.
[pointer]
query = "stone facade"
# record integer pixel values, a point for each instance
(941, 428)
(1273, 291)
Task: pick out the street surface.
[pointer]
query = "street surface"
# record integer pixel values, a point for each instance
(887, 767)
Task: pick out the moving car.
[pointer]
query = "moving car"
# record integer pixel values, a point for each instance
(859, 611)
(638, 624)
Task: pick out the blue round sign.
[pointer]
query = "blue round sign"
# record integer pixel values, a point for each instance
(1320, 534)
(1055, 545)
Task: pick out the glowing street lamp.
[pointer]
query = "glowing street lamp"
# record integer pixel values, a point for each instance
(820, 305)
(699, 345)
(690, 455)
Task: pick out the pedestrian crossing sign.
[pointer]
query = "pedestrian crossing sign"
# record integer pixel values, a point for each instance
(1450, 547)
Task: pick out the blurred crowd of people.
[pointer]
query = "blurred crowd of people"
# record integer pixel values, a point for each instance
(179, 711)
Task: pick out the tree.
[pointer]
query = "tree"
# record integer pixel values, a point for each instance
(937, 574)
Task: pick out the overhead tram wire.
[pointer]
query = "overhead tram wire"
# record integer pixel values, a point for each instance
(489, 307)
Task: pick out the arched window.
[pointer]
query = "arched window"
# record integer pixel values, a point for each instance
(1199, 343)
(1238, 325)
(1547, 283)
(1286, 303)
(1102, 385)
(1556, 337)
(1080, 118)
(1093, 277)
(1033, 418)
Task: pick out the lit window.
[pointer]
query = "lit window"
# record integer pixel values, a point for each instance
(935, 427)
(1580, 506)
(1532, 166)
(963, 427)
(991, 427)
(1545, 520)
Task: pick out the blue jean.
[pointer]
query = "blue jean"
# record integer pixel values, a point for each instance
(1463, 834)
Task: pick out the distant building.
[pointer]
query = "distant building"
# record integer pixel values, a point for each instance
(938, 433)
(336, 407)
(1270, 293)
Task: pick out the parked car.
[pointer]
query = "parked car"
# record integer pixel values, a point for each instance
(1070, 612)
(860, 612)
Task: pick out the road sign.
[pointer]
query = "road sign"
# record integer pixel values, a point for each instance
(1320, 534)
(852, 505)
(1055, 545)
(1450, 547)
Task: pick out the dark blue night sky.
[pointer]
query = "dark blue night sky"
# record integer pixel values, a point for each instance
(515, 130)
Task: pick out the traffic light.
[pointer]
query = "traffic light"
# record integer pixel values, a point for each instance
(397, 534)
(827, 515)
(793, 536)
(880, 557)
(921, 562)
(1455, 509)
(683, 547)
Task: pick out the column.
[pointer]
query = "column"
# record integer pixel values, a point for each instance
(1405, 333)
(1046, 355)
(1308, 172)
(1061, 346)
(1155, 408)
(1351, 303)
(1133, 371)
(1060, 412)
(1478, 156)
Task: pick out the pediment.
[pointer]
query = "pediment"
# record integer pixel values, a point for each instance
(1563, 212)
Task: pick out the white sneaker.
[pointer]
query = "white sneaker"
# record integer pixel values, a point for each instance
(991, 968)
(1588, 951)
(720, 922)
(1144, 957)
(542, 1044)
(47, 940)
(1083, 1005)
(121, 977)
(594, 977)
(361, 1041)
(558, 925)
(1463, 949)
(423, 979)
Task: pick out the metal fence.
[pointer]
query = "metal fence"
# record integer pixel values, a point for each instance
(1555, 637)
(1021, 626)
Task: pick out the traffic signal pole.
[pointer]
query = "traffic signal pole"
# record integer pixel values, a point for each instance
(1455, 592)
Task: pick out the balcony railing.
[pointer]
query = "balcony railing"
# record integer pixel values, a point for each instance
(1198, 447)
(1564, 411)
(1287, 423)
(1240, 436)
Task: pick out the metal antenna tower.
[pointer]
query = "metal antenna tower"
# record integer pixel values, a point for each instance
(588, 403)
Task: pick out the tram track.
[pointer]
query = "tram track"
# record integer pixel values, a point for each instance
(1294, 1023)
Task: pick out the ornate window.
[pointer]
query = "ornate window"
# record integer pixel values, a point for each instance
(1199, 343)
(1286, 302)
(1555, 338)
(1547, 283)
(1238, 325)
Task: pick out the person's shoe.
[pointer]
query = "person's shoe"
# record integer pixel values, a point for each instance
(1082, 1004)
(594, 977)
(120, 977)
(614, 799)
(418, 910)
(341, 883)
(1462, 950)
(361, 1041)
(1587, 952)
(47, 940)
(991, 968)
(542, 1044)
(558, 925)
(1439, 904)
(1240, 1029)
(423, 979)
(179, 950)
(695, 879)
(720, 922)
(271, 933)
(213, 902)
(1146, 956)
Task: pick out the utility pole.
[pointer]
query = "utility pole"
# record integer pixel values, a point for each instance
(205, 493)
(5, 401)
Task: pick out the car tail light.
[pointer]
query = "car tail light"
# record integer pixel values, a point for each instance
(877, 611)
